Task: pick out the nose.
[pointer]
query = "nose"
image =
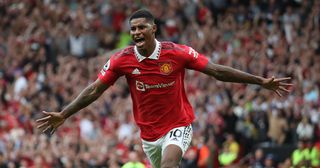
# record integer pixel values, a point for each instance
(135, 32)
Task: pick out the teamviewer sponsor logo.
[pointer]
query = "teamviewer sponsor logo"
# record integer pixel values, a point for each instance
(143, 86)
(140, 86)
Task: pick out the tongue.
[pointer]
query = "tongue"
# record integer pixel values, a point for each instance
(140, 43)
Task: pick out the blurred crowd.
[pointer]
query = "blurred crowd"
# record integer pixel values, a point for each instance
(52, 49)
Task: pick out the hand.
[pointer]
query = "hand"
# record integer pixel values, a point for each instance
(277, 85)
(51, 120)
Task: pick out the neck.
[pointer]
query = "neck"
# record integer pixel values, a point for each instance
(148, 49)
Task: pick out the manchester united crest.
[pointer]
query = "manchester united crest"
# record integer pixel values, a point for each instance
(166, 68)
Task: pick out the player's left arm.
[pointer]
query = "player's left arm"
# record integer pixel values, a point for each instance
(200, 63)
(229, 74)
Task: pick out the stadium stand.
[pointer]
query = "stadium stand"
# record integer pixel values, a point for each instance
(50, 50)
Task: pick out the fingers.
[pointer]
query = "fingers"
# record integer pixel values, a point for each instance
(284, 89)
(278, 93)
(272, 79)
(44, 112)
(280, 86)
(47, 128)
(281, 89)
(43, 119)
(282, 79)
(43, 125)
(52, 130)
(48, 115)
(285, 84)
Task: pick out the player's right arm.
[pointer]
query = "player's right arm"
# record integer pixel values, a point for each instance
(107, 76)
(52, 120)
(86, 97)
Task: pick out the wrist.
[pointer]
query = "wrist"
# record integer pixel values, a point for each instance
(261, 81)
(64, 114)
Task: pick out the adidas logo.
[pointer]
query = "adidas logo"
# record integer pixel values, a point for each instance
(136, 71)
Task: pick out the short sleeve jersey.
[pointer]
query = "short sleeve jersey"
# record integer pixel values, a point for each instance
(156, 85)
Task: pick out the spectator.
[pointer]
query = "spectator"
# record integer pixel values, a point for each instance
(133, 161)
(226, 157)
(274, 37)
(20, 84)
(3, 163)
(300, 156)
(190, 159)
(77, 42)
(314, 154)
(277, 126)
(230, 151)
(285, 164)
(258, 159)
(248, 131)
(203, 153)
(269, 161)
(305, 130)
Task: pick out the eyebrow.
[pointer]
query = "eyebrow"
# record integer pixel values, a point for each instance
(140, 24)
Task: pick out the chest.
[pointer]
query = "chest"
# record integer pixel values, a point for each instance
(162, 69)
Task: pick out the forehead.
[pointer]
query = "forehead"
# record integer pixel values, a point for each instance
(138, 21)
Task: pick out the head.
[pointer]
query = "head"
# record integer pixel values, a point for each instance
(133, 156)
(268, 162)
(230, 137)
(258, 154)
(142, 30)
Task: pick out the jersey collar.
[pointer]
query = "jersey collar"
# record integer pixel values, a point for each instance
(155, 54)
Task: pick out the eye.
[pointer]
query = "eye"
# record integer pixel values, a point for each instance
(141, 27)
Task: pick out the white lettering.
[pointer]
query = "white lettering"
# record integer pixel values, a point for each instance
(105, 68)
(192, 51)
(102, 72)
(142, 86)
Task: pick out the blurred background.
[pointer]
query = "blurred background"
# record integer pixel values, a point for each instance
(52, 49)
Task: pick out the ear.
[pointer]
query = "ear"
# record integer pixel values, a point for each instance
(154, 28)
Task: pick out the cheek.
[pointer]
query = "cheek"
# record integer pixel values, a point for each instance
(150, 32)
(146, 34)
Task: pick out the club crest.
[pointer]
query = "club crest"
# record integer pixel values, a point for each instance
(166, 68)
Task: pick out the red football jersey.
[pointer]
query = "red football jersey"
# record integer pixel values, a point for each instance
(156, 85)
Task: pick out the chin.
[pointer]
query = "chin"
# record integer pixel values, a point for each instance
(143, 47)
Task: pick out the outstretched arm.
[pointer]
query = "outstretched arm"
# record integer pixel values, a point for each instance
(52, 120)
(228, 74)
(86, 97)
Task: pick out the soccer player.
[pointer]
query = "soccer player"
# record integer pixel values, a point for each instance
(155, 74)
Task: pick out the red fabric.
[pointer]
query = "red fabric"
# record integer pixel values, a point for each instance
(171, 30)
(317, 145)
(9, 120)
(157, 91)
(204, 154)
(202, 13)
(123, 151)
(117, 19)
(317, 133)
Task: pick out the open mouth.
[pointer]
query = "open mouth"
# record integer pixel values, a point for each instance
(139, 42)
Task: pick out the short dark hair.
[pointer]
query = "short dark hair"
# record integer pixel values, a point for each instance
(142, 13)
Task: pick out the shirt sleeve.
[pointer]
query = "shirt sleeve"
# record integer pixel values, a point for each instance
(108, 73)
(195, 60)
